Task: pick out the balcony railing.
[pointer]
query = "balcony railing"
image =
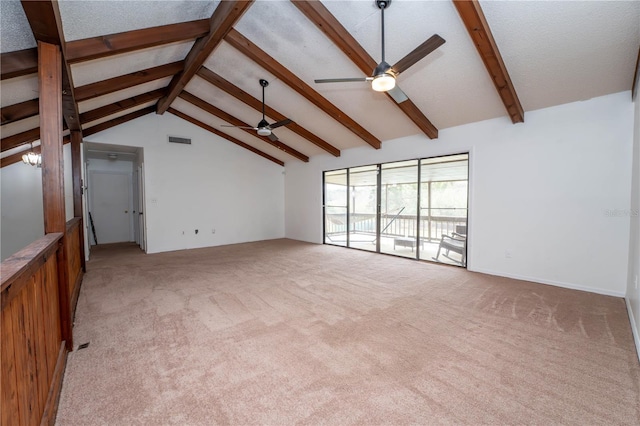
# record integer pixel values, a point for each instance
(431, 227)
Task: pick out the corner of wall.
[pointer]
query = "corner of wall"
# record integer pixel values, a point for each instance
(632, 296)
(634, 328)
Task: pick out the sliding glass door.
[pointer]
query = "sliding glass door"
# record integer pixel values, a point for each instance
(363, 196)
(415, 208)
(399, 202)
(443, 208)
(335, 207)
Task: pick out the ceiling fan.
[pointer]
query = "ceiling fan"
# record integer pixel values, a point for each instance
(264, 128)
(384, 75)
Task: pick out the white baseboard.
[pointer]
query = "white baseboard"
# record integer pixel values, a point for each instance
(572, 286)
(634, 329)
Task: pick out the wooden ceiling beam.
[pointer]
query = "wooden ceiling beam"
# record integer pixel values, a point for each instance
(25, 62)
(117, 121)
(225, 16)
(17, 157)
(478, 28)
(120, 106)
(18, 139)
(33, 135)
(29, 108)
(224, 135)
(256, 104)
(253, 52)
(18, 63)
(319, 15)
(14, 158)
(203, 105)
(22, 138)
(46, 25)
(114, 44)
(104, 87)
(19, 111)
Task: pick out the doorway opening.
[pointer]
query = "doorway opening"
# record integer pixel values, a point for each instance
(114, 194)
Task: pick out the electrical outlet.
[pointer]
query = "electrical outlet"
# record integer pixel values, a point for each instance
(636, 282)
(213, 231)
(182, 232)
(507, 254)
(196, 231)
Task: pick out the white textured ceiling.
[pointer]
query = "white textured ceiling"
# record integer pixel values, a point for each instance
(565, 51)
(14, 27)
(92, 18)
(555, 52)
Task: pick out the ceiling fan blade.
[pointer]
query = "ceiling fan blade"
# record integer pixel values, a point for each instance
(239, 127)
(280, 123)
(342, 80)
(431, 44)
(397, 94)
(273, 137)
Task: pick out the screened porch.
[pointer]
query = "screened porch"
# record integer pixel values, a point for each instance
(403, 208)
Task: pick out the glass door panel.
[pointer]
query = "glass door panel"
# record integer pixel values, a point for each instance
(398, 206)
(335, 207)
(443, 208)
(363, 200)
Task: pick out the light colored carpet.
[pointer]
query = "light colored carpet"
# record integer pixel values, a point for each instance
(283, 332)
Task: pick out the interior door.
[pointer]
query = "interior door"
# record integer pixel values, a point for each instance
(141, 218)
(110, 195)
(136, 196)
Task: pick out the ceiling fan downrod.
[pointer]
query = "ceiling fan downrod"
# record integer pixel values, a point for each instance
(263, 126)
(382, 5)
(264, 83)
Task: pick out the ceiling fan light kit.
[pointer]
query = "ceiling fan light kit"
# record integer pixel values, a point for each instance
(384, 75)
(263, 131)
(383, 82)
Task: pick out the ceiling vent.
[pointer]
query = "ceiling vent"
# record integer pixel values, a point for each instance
(175, 139)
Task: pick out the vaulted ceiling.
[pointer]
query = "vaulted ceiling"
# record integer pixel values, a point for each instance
(202, 61)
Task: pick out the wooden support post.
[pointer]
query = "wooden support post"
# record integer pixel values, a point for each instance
(76, 165)
(50, 87)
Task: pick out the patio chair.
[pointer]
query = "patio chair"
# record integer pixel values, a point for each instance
(456, 243)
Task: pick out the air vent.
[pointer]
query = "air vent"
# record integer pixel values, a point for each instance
(175, 139)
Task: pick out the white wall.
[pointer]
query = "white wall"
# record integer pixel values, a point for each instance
(22, 215)
(551, 191)
(22, 212)
(633, 291)
(209, 185)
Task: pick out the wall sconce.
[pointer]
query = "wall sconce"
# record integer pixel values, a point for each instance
(32, 158)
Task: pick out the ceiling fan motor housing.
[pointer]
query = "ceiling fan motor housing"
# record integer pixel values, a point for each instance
(383, 68)
(263, 128)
